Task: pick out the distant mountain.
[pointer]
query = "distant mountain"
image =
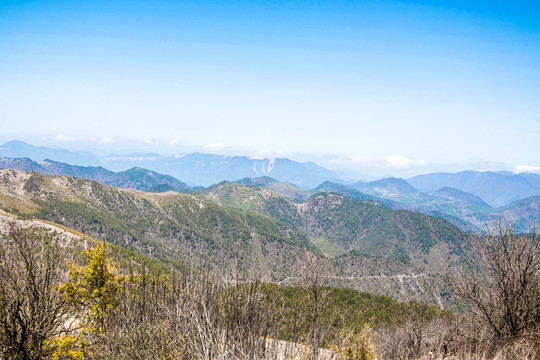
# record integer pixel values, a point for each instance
(208, 169)
(195, 168)
(262, 181)
(20, 149)
(51, 167)
(136, 178)
(464, 209)
(386, 187)
(143, 179)
(395, 189)
(463, 198)
(460, 198)
(348, 191)
(495, 188)
(409, 203)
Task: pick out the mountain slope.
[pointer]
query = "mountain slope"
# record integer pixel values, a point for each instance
(167, 226)
(338, 224)
(142, 179)
(387, 187)
(75, 242)
(465, 210)
(465, 199)
(348, 191)
(256, 199)
(194, 230)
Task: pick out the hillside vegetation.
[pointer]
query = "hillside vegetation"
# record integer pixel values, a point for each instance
(168, 226)
(124, 312)
(337, 225)
(239, 229)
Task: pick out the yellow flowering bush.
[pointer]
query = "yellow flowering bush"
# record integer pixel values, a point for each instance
(355, 345)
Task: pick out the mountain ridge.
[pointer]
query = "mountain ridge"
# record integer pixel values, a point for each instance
(196, 230)
(167, 226)
(467, 209)
(195, 169)
(497, 188)
(339, 224)
(135, 178)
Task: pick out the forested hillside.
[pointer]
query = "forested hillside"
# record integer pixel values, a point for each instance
(169, 226)
(337, 224)
(257, 232)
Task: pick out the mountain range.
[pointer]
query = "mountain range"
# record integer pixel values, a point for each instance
(464, 210)
(134, 178)
(195, 169)
(496, 188)
(234, 228)
(470, 200)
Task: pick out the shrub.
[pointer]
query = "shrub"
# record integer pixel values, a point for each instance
(355, 345)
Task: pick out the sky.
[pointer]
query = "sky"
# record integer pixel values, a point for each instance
(368, 88)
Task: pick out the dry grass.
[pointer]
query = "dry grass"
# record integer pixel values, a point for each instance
(12, 203)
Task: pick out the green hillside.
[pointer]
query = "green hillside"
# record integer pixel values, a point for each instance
(168, 226)
(337, 224)
(242, 230)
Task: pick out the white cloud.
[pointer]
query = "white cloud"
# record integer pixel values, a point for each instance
(268, 154)
(106, 140)
(401, 161)
(215, 147)
(62, 137)
(360, 159)
(152, 141)
(526, 169)
(389, 161)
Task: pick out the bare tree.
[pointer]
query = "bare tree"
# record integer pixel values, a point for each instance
(31, 310)
(315, 275)
(504, 290)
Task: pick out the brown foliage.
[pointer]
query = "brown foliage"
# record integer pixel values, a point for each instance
(452, 338)
(31, 310)
(187, 317)
(505, 290)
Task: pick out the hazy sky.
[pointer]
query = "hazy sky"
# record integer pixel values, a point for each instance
(369, 87)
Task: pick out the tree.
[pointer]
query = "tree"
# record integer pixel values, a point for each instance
(93, 288)
(504, 291)
(31, 310)
(315, 275)
(355, 345)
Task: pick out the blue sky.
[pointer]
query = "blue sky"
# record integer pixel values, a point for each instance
(371, 88)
